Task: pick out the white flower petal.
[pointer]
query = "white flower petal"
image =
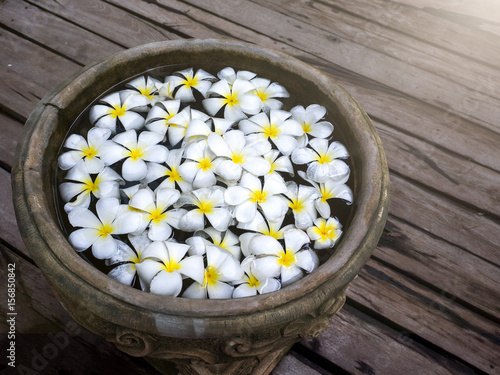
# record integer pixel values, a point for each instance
(213, 105)
(295, 239)
(127, 222)
(307, 260)
(82, 217)
(244, 290)
(68, 159)
(159, 231)
(219, 218)
(257, 166)
(290, 275)
(245, 212)
(266, 267)
(143, 200)
(303, 155)
(82, 239)
(104, 247)
(107, 209)
(264, 245)
(132, 120)
(228, 170)
(285, 143)
(323, 208)
(166, 284)
(321, 129)
(233, 113)
(155, 249)
(235, 195)
(193, 268)
(274, 208)
(269, 285)
(196, 291)
(134, 170)
(197, 245)
(192, 221)
(337, 150)
(124, 273)
(204, 179)
(220, 290)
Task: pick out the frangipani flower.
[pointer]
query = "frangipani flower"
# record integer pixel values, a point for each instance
(137, 150)
(309, 118)
(252, 285)
(238, 153)
(145, 86)
(228, 74)
(272, 260)
(97, 231)
(82, 186)
(199, 167)
(118, 107)
(278, 163)
(302, 203)
(159, 116)
(225, 240)
(278, 127)
(165, 264)
(249, 194)
(126, 259)
(323, 160)
(209, 203)
(159, 219)
(222, 269)
(329, 190)
(89, 150)
(237, 100)
(325, 233)
(180, 122)
(259, 224)
(171, 172)
(267, 92)
(187, 80)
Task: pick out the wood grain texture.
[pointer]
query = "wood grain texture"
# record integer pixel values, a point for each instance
(11, 131)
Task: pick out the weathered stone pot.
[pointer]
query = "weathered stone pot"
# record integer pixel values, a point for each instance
(240, 336)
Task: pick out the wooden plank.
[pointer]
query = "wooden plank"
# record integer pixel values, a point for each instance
(48, 340)
(9, 231)
(66, 38)
(432, 316)
(425, 86)
(466, 228)
(457, 273)
(11, 132)
(293, 364)
(360, 344)
(449, 174)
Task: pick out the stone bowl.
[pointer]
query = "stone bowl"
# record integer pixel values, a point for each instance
(237, 336)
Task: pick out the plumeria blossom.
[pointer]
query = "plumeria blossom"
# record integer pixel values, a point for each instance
(237, 100)
(279, 163)
(267, 92)
(230, 75)
(165, 264)
(159, 218)
(207, 202)
(145, 86)
(225, 240)
(252, 285)
(323, 160)
(119, 106)
(179, 123)
(97, 231)
(170, 172)
(290, 262)
(302, 203)
(325, 233)
(329, 189)
(136, 150)
(199, 167)
(186, 81)
(159, 116)
(309, 118)
(126, 259)
(259, 224)
(278, 127)
(88, 150)
(82, 186)
(222, 269)
(250, 194)
(238, 153)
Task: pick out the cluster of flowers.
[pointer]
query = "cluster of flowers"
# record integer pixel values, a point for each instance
(152, 166)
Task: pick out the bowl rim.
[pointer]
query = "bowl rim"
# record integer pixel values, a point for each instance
(52, 247)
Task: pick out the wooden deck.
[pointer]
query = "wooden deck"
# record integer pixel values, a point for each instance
(428, 74)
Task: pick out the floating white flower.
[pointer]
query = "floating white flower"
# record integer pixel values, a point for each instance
(267, 92)
(170, 173)
(302, 203)
(118, 107)
(82, 186)
(323, 160)
(136, 150)
(278, 127)
(159, 218)
(237, 100)
(221, 270)
(199, 167)
(279, 163)
(252, 285)
(88, 150)
(259, 224)
(159, 116)
(325, 233)
(225, 240)
(164, 265)
(179, 124)
(230, 75)
(309, 118)
(145, 86)
(186, 81)
(238, 153)
(126, 259)
(272, 260)
(209, 203)
(250, 194)
(97, 231)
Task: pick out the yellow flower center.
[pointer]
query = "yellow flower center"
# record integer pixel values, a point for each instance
(89, 152)
(173, 175)
(135, 153)
(205, 207)
(147, 92)
(325, 194)
(157, 215)
(296, 205)
(105, 230)
(273, 167)
(231, 100)
(307, 127)
(117, 111)
(91, 186)
(271, 131)
(272, 232)
(191, 81)
(211, 276)
(327, 231)
(262, 94)
(238, 158)
(171, 266)
(258, 196)
(322, 159)
(252, 281)
(205, 164)
(286, 259)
